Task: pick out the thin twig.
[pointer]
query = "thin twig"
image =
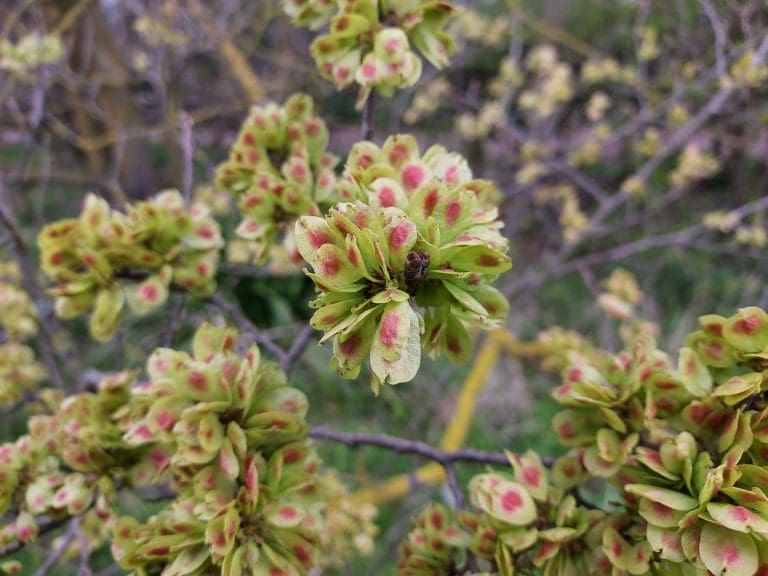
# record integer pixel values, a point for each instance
(31, 285)
(718, 29)
(85, 550)
(367, 125)
(405, 446)
(453, 486)
(297, 348)
(177, 313)
(56, 555)
(247, 326)
(187, 143)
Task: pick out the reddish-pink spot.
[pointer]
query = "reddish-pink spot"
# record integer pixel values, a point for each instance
(351, 345)
(298, 172)
(205, 232)
(369, 70)
(317, 238)
(729, 554)
(399, 235)
(330, 264)
(388, 333)
(430, 200)
(365, 160)
(741, 514)
(342, 72)
(302, 554)
(148, 292)
(452, 212)
(386, 197)
(288, 513)
(531, 475)
(575, 375)
(398, 153)
(511, 501)
(566, 430)
(413, 176)
(748, 325)
(452, 174)
(198, 381)
(291, 456)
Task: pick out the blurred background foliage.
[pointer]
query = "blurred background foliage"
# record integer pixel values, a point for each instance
(93, 93)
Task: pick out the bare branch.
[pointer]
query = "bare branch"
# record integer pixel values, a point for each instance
(720, 36)
(297, 348)
(186, 141)
(404, 446)
(247, 326)
(30, 284)
(58, 553)
(367, 125)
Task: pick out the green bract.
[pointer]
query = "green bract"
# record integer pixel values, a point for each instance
(278, 170)
(106, 258)
(423, 234)
(369, 41)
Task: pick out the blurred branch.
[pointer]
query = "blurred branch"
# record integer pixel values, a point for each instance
(679, 138)
(718, 30)
(247, 326)
(549, 31)
(238, 63)
(71, 17)
(57, 553)
(29, 282)
(367, 124)
(187, 144)
(297, 348)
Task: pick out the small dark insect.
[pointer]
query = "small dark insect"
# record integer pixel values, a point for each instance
(416, 269)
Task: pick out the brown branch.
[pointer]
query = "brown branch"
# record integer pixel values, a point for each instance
(405, 446)
(247, 326)
(367, 122)
(297, 348)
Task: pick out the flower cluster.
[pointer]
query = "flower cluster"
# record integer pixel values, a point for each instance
(70, 462)
(369, 41)
(683, 453)
(104, 258)
(250, 497)
(521, 522)
(425, 230)
(684, 444)
(278, 169)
